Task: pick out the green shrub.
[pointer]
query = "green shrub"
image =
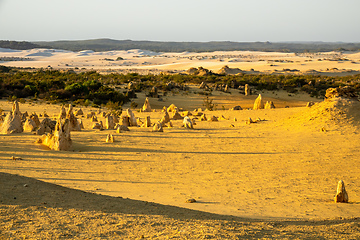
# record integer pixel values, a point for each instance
(208, 104)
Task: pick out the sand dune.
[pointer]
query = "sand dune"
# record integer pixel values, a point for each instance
(140, 60)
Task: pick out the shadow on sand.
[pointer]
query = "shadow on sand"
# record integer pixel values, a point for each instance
(27, 192)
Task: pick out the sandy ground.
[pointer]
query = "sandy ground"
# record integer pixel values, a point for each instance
(273, 179)
(329, 63)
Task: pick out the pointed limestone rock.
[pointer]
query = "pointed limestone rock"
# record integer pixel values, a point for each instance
(175, 115)
(74, 124)
(29, 125)
(341, 194)
(109, 122)
(269, 105)
(110, 138)
(116, 119)
(94, 119)
(247, 90)
(79, 112)
(60, 140)
(146, 107)
(62, 112)
(203, 117)
(258, 103)
(119, 128)
(12, 122)
(172, 108)
(35, 118)
(125, 121)
(132, 119)
(98, 125)
(147, 122)
(165, 118)
(158, 127)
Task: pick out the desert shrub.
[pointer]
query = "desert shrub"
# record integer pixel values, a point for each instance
(76, 88)
(92, 85)
(208, 104)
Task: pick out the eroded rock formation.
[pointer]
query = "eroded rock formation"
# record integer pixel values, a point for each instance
(187, 123)
(12, 122)
(158, 127)
(60, 140)
(146, 107)
(258, 103)
(269, 105)
(341, 194)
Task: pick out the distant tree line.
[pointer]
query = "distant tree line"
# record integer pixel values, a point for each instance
(18, 45)
(110, 45)
(92, 87)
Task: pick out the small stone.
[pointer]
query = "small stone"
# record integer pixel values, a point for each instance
(191, 200)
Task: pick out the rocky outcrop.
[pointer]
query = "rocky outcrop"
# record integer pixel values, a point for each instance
(172, 108)
(90, 115)
(165, 118)
(269, 105)
(74, 124)
(203, 85)
(110, 138)
(146, 107)
(258, 103)
(203, 117)
(226, 70)
(131, 116)
(109, 122)
(98, 125)
(158, 127)
(35, 118)
(247, 90)
(46, 126)
(29, 125)
(12, 122)
(200, 71)
(119, 128)
(187, 123)
(79, 112)
(147, 122)
(59, 140)
(62, 112)
(175, 115)
(341, 194)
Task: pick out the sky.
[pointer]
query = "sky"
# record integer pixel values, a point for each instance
(181, 20)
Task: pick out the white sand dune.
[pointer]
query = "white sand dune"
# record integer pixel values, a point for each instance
(266, 62)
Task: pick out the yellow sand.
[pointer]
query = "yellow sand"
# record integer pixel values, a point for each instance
(285, 167)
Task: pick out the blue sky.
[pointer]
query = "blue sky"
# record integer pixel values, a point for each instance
(185, 20)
